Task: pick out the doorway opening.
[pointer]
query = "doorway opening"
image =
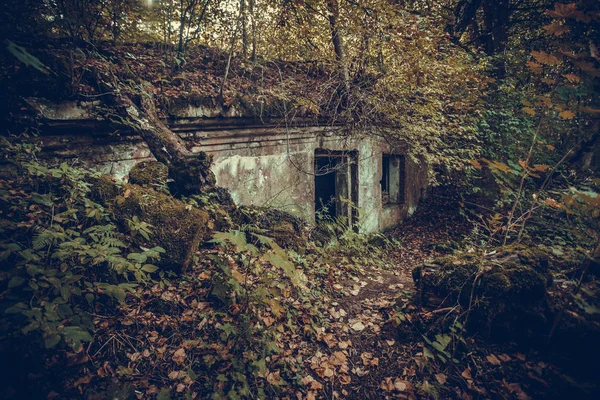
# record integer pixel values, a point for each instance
(336, 185)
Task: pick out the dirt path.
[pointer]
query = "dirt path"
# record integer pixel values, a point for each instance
(363, 344)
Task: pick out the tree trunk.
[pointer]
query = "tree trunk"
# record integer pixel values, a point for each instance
(464, 13)
(244, 30)
(338, 43)
(253, 30)
(189, 171)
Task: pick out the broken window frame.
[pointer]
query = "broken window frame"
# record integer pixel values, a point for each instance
(393, 179)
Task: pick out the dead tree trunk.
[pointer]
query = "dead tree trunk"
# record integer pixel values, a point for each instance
(189, 171)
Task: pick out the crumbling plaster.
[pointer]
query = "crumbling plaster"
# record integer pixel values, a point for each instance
(263, 163)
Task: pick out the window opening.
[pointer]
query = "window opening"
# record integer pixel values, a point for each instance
(393, 179)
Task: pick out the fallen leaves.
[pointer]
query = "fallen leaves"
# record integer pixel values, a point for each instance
(358, 326)
(492, 359)
(395, 384)
(179, 356)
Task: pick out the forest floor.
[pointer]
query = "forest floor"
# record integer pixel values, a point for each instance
(378, 319)
(361, 333)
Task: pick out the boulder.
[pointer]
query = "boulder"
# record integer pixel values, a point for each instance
(177, 227)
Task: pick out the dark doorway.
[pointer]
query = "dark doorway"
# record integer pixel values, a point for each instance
(325, 195)
(336, 185)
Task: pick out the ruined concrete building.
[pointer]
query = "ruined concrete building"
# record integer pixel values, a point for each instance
(308, 169)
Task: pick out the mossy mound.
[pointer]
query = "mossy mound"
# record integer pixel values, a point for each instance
(218, 202)
(177, 227)
(149, 173)
(506, 292)
(286, 229)
(104, 189)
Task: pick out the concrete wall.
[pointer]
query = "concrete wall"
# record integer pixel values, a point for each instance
(263, 165)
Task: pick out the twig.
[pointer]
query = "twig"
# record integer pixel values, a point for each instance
(523, 177)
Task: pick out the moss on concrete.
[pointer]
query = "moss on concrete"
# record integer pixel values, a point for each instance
(148, 173)
(176, 226)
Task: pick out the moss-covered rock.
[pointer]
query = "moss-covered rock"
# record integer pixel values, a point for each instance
(286, 229)
(505, 291)
(177, 227)
(149, 173)
(104, 189)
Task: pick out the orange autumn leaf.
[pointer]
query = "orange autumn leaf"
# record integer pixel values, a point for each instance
(546, 101)
(545, 58)
(556, 29)
(563, 10)
(567, 114)
(522, 164)
(529, 110)
(591, 110)
(572, 78)
(552, 203)
(535, 67)
(570, 54)
(476, 164)
(541, 167)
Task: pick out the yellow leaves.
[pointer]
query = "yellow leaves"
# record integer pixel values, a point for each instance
(499, 166)
(544, 101)
(475, 164)
(276, 307)
(572, 78)
(567, 114)
(494, 165)
(529, 111)
(556, 28)
(238, 276)
(545, 58)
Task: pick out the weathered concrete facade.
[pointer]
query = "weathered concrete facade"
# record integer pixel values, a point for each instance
(262, 163)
